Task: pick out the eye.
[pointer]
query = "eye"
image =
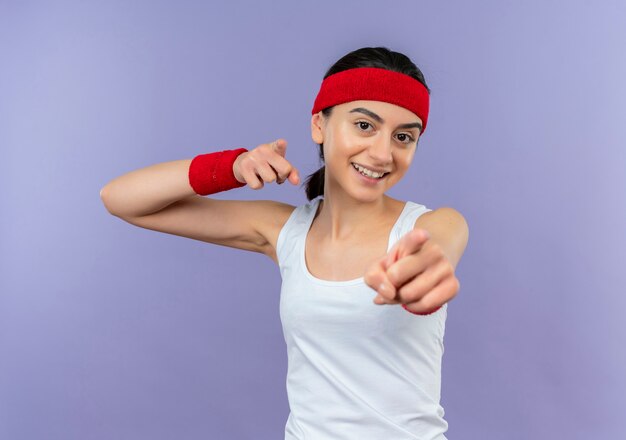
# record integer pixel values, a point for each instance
(363, 125)
(406, 138)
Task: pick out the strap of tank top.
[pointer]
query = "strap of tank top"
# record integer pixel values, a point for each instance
(292, 233)
(407, 222)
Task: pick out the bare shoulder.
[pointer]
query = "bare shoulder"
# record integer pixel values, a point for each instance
(448, 228)
(444, 215)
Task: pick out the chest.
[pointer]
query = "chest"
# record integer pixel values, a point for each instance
(343, 261)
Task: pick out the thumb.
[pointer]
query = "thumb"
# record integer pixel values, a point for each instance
(294, 176)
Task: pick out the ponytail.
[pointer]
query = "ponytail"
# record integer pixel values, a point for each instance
(315, 184)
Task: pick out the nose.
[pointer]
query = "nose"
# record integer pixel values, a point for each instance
(380, 151)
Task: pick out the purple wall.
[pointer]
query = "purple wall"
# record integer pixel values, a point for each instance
(109, 331)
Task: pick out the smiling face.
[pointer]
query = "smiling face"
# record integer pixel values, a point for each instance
(362, 140)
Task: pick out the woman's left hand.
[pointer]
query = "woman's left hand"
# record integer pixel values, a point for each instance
(415, 272)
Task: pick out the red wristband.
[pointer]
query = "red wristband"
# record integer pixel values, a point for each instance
(423, 313)
(213, 172)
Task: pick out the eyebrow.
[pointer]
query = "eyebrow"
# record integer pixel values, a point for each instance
(377, 118)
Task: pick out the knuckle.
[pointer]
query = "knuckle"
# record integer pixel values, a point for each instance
(252, 161)
(426, 278)
(457, 285)
(279, 164)
(266, 174)
(370, 277)
(247, 166)
(407, 293)
(449, 288)
(439, 270)
(428, 303)
(259, 154)
(393, 275)
(435, 251)
(246, 176)
(285, 168)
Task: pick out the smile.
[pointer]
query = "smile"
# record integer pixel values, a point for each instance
(369, 173)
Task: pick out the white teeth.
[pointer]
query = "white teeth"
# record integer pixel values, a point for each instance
(367, 172)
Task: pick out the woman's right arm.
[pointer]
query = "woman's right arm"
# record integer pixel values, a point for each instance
(147, 190)
(160, 197)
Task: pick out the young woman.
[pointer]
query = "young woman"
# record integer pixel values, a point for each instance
(365, 277)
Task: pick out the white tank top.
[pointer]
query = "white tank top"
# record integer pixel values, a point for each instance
(356, 370)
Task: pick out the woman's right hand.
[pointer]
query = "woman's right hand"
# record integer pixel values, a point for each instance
(266, 163)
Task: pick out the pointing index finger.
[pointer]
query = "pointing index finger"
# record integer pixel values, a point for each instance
(410, 243)
(280, 146)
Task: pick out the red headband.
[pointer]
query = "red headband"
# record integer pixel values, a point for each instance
(375, 84)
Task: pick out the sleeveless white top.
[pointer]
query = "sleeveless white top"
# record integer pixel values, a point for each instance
(356, 370)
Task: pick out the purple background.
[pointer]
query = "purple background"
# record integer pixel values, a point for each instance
(109, 331)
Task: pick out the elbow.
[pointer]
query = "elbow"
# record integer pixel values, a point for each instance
(104, 196)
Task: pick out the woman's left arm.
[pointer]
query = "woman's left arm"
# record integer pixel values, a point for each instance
(448, 228)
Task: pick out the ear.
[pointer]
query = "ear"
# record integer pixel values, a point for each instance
(317, 127)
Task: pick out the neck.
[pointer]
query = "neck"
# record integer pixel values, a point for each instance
(345, 218)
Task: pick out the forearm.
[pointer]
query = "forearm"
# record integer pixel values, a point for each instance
(148, 190)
